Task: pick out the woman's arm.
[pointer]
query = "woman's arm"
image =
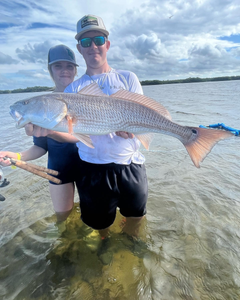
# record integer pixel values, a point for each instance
(32, 153)
(33, 130)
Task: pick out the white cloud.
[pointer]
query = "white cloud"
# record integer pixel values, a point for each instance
(147, 47)
(206, 50)
(36, 53)
(7, 59)
(155, 39)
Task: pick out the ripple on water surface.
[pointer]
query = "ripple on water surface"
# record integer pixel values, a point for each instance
(189, 245)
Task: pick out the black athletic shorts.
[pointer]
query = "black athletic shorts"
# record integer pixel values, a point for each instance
(62, 157)
(104, 187)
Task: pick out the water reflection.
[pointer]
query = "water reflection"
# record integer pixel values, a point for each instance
(63, 261)
(191, 236)
(69, 259)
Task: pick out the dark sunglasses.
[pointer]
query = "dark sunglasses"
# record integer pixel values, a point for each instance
(87, 42)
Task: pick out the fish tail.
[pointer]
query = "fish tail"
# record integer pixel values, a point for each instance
(203, 143)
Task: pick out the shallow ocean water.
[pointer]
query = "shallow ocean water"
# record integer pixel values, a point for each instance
(190, 237)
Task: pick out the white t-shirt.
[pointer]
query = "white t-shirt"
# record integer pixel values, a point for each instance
(110, 148)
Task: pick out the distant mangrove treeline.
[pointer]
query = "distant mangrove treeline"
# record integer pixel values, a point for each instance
(29, 90)
(145, 82)
(189, 80)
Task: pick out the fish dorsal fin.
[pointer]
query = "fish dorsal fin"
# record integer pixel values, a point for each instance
(144, 100)
(92, 89)
(85, 139)
(145, 139)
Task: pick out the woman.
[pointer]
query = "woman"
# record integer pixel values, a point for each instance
(62, 157)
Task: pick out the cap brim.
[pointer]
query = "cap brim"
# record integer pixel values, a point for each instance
(57, 60)
(105, 32)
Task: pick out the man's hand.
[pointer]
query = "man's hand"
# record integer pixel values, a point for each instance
(37, 131)
(124, 134)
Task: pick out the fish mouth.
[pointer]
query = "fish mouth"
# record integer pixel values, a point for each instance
(17, 117)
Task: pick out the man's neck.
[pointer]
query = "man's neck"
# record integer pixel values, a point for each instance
(95, 71)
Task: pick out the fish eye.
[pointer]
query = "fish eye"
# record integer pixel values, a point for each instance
(194, 131)
(25, 102)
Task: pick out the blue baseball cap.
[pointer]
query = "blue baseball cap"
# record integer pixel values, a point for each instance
(61, 53)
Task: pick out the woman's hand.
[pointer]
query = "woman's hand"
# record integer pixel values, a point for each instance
(6, 162)
(34, 130)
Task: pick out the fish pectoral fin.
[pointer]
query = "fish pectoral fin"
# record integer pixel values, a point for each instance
(143, 100)
(92, 89)
(70, 124)
(85, 139)
(145, 139)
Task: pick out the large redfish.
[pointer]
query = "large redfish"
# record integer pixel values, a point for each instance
(91, 112)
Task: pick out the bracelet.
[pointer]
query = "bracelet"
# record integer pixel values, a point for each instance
(19, 156)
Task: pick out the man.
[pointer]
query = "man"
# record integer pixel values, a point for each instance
(113, 172)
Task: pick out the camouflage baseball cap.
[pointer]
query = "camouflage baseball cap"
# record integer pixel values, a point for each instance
(88, 23)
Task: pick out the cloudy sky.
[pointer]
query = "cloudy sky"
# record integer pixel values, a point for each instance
(156, 39)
